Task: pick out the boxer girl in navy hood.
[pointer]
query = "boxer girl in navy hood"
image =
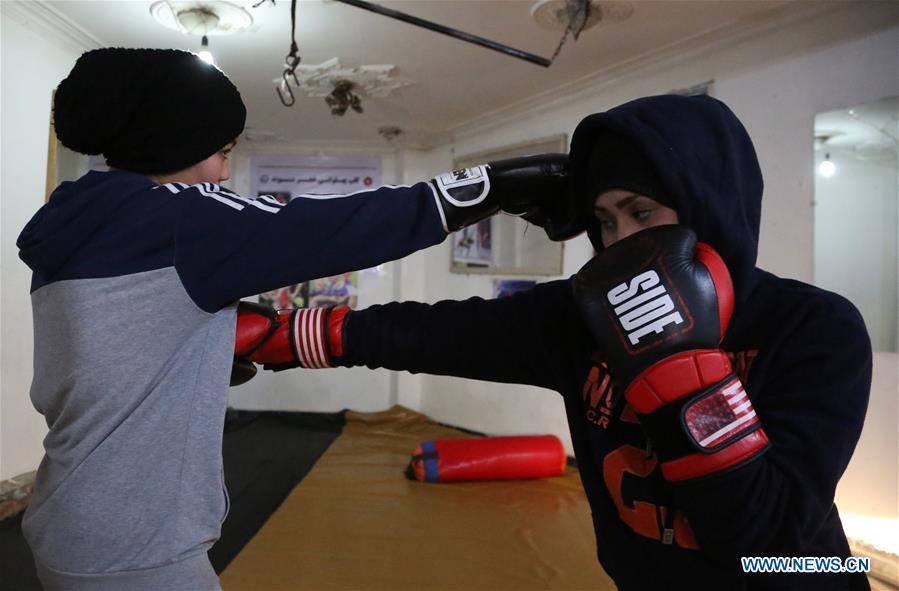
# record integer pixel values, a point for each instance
(802, 354)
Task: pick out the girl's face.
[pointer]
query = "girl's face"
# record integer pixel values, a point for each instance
(216, 168)
(622, 213)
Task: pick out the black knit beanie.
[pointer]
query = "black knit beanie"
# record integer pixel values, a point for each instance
(152, 111)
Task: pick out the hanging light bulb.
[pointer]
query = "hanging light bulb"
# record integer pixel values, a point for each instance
(205, 54)
(827, 168)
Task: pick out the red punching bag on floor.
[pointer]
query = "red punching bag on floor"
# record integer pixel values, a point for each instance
(488, 458)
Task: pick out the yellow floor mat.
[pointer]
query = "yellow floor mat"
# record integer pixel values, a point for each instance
(355, 522)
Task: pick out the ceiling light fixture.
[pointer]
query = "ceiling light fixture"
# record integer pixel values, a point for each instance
(205, 54)
(343, 98)
(562, 15)
(207, 18)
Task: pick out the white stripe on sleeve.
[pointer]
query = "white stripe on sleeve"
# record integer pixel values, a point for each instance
(219, 198)
(211, 188)
(272, 200)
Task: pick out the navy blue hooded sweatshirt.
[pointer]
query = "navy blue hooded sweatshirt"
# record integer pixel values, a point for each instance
(803, 355)
(134, 298)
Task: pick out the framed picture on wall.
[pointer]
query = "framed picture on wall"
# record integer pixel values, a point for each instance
(504, 244)
(473, 246)
(52, 143)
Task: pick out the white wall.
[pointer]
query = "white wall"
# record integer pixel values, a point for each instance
(869, 486)
(856, 256)
(855, 237)
(30, 68)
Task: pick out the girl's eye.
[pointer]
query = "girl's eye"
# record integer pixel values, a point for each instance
(606, 224)
(642, 214)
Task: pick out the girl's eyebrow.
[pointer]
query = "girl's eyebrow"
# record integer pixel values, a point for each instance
(618, 205)
(626, 201)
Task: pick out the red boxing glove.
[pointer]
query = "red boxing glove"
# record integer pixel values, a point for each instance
(658, 304)
(283, 339)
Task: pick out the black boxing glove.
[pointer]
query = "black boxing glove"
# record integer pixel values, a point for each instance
(658, 304)
(533, 187)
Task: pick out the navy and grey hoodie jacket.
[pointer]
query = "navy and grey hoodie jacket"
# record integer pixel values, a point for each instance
(802, 353)
(134, 291)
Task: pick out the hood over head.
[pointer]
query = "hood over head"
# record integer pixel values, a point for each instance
(72, 216)
(704, 166)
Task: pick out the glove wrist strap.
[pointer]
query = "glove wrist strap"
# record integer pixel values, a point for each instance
(316, 336)
(697, 414)
(463, 197)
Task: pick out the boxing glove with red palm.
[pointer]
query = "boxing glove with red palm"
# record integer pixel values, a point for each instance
(283, 339)
(658, 304)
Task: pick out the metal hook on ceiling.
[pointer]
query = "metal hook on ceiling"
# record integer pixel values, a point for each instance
(284, 88)
(290, 62)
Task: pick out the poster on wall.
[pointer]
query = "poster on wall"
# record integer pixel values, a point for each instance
(292, 296)
(287, 176)
(472, 246)
(339, 290)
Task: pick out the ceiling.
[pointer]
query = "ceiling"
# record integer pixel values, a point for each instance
(454, 82)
